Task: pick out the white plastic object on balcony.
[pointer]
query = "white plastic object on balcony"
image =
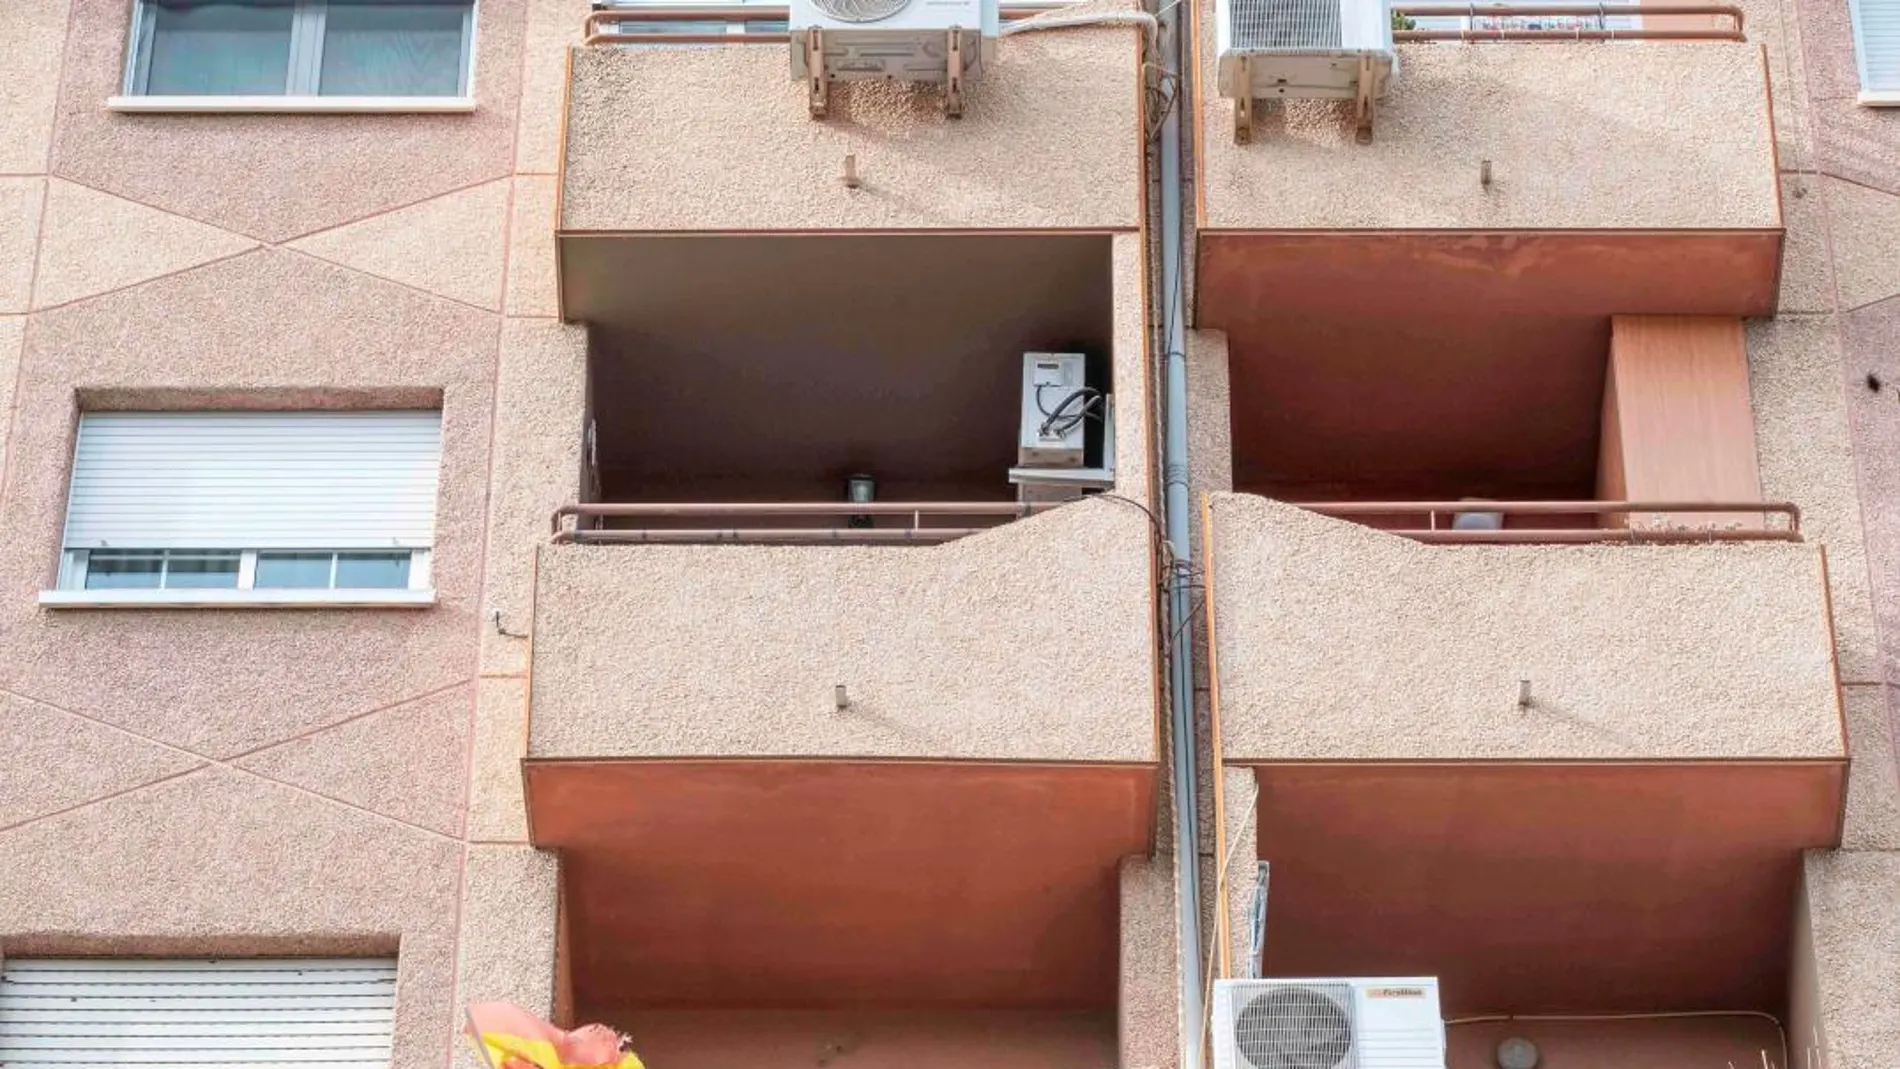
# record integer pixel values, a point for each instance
(1054, 410)
(1332, 1023)
(1303, 50)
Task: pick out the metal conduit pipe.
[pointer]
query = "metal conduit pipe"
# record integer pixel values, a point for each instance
(1174, 462)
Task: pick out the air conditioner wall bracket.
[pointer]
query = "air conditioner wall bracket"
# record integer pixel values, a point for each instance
(818, 81)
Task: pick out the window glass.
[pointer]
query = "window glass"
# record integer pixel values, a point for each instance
(124, 571)
(301, 571)
(200, 570)
(301, 47)
(218, 49)
(372, 571)
(378, 49)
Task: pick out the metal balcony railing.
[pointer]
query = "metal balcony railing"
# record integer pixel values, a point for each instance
(1437, 527)
(1592, 22)
(594, 33)
(915, 522)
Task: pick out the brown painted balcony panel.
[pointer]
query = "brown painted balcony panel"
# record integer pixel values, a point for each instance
(1336, 642)
(719, 139)
(1029, 641)
(1545, 887)
(734, 885)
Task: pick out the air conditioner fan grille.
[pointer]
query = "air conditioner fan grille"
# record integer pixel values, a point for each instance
(860, 10)
(1286, 25)
(1307, 1026)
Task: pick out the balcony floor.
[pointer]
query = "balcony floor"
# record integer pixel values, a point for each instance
(1656, 1043)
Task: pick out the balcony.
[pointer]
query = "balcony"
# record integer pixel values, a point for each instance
(772, 913)
(1504, 179)
(1702, 648)
(1051, 137)
(842, 730)
(730, 429)
(1565, 778)
(1030, 641)
(824, 790)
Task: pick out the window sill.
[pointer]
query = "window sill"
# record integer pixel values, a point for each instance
(1880, 98)
(237, 599)
(242, 105)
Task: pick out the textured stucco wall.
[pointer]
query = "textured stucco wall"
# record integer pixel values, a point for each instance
(510, 908)
(343, 781)
(1051, 136)
(271, 328)
(278, 782)
(1028, 641)
(218, 860)
(35, 32)
(1134, 449)
(275, 177)
(1148, 999)
(1338, 641)
(1829, 436)
(1615, 136)
(1210, 401)
(1853, 905)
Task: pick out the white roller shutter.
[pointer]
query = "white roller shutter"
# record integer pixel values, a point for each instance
(297, 1013)
(254, 480)
(1877, 44)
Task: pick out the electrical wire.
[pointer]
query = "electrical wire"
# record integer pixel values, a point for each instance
(1061, 18)
(1220, 903)
(1061, 421)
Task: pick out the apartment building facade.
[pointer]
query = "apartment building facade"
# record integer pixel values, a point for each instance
(506, 507)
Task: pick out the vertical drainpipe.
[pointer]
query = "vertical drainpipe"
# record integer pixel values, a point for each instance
(1173, 301)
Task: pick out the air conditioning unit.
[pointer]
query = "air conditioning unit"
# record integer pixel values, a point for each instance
(937, 42)
(1341, 1023)
(1303, 50)
(1059, 412)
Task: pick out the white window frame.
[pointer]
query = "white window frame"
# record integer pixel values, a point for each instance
(301, 79)
(72, 592)
(1870, 96)
(75, 559)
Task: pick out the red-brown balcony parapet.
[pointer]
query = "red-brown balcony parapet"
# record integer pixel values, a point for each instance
(1555, 522)
(912, 517)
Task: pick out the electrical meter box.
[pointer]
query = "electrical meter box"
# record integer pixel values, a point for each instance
(1057, 405)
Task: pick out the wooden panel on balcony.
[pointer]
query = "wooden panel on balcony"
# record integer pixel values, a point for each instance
(1677, 425)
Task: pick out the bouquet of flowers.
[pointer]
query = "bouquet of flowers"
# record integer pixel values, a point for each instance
(512, 1038)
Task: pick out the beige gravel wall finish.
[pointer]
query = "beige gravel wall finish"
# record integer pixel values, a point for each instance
(1049, 139)
(1580, 136)
(1320, 622)
(1058, 604)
